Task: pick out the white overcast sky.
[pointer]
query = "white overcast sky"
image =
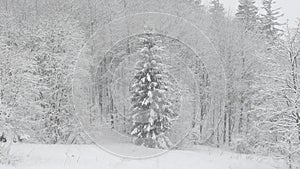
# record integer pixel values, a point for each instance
(290, 8)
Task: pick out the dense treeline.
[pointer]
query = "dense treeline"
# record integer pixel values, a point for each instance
(40, 42)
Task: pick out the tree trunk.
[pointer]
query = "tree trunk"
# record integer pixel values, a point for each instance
(229, 126)
(224, 127)
(240, 129)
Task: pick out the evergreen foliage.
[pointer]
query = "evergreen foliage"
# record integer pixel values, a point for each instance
(216, 9)
(152, 110)
(247, 13)
(270, 19)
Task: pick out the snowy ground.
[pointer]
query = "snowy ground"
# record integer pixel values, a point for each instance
(92, 157)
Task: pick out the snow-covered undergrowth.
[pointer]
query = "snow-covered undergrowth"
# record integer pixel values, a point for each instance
(92, 157)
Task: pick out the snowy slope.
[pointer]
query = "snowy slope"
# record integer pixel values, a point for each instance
(92, 157)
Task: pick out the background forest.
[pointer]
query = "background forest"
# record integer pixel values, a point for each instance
(258, 113)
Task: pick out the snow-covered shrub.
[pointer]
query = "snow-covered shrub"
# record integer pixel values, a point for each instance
(5, 145)
(5, 134)
(241, 144)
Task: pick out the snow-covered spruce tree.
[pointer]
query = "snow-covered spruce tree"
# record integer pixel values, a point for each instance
(247, 13)
(152, 113)
(269, 20)
(216, 9)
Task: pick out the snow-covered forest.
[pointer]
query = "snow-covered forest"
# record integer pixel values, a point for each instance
(166, 79)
